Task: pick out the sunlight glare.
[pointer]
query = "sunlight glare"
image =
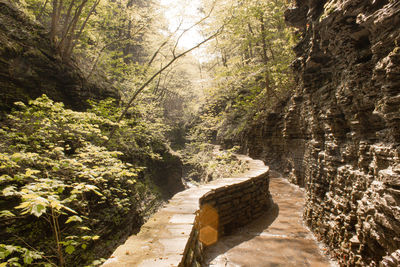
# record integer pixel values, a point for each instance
(188, 11)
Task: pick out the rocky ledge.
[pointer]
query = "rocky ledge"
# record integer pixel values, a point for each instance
(339, 135)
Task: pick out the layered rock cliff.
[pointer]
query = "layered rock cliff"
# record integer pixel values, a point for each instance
(339, 136)
(29, 66)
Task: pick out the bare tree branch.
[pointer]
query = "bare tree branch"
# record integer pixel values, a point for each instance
(192, 26)
(164, 43)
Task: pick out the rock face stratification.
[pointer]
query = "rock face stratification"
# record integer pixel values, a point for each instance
(339, 135)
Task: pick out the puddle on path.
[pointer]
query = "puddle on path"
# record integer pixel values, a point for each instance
(278, 238)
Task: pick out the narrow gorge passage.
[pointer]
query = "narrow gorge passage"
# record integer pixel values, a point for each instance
(278, 238)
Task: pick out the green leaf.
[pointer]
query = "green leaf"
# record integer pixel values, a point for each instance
(23, 205)
(55, 168)
(9, 191)
(6, 214)
(17, 157)
(93, 188)
(14, 261)
(69, 209)
(5, 177)
(30, 172)
(74, 218)
(27, 258)
(96, 262)
(84, 246)
(70, 249)
(20, 104)
(38, 210)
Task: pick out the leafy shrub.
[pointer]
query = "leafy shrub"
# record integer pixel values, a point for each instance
(205, 162)
(59, 188)
(140, 136)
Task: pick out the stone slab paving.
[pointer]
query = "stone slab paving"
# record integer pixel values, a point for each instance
(162, 239)
(278, 238)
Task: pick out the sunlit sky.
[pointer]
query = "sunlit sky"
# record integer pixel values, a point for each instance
(175, 10)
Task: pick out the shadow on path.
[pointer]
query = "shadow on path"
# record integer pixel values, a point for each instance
(277, 238)
(242, 234)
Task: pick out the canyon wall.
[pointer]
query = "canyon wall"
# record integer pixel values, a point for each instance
(339, 135)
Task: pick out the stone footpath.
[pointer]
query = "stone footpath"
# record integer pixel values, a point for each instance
(169, 238)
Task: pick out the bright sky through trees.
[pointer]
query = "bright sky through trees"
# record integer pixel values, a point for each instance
(188, 10)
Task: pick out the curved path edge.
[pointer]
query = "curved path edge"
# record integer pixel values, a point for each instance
(171, 237)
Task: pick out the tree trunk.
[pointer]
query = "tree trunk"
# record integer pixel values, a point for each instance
(54, 21)
(67, 19)
(77, 36)
(71, 34)
(264, 53)
(250, 41)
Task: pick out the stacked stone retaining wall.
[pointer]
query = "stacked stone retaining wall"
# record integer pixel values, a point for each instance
(239, 204)
(236, 205)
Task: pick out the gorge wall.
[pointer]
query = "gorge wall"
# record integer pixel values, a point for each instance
(339, 135)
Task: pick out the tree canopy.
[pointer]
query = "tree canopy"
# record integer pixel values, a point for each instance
(250, 65)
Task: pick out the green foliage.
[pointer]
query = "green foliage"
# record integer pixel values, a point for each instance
(252, 70)
(141, 135)
(54, 172)
(105, 37)
(19, 256)
(205, 162)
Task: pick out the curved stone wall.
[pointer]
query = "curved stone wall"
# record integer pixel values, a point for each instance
(235, 205)
(174, 236)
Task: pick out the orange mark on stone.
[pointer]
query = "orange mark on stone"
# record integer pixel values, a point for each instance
(208, 216)
(208, 222)
(208, 235)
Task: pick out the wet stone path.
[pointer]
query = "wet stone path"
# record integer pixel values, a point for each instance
(279, 238)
